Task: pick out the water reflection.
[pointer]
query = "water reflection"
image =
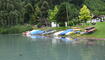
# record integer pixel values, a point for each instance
(55, 40)
(66, 40)
(17, 47)
(38, 37)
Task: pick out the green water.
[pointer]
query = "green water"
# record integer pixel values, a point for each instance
(17, 47)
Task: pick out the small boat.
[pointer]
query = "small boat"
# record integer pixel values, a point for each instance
(66, 31)
(69, 33)
(90, 29)
(36, 32)
(27, 33)
(57, 33)
(49, 32)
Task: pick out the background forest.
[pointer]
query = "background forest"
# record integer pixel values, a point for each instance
(42, 12)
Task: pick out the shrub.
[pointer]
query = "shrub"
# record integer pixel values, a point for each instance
(15, 29)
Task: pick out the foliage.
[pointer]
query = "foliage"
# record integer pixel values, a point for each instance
(52, 13)
(29, 12)
(96, 6)
(15, 29)
(74, 22)
(11, 12)
(41, 12)
(77, 2)
(85, 14)
(66, 13)
(61, 16)
(73, 12)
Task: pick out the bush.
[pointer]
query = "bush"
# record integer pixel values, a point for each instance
(3, 30)
(15, 29)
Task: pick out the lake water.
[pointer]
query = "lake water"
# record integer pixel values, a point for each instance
(17, 47)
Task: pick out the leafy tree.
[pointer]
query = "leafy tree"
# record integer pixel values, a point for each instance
(96, 6)
(61, 16)
(67, 12)
(29, 12)
(77, 2)
(52, 13)
(85, 14)
(37, 13)
(44, 7)
(73, 13)
(11, 12)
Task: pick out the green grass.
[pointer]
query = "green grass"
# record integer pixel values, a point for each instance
(100, 32)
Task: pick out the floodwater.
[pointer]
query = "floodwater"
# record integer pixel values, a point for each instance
(18, 47)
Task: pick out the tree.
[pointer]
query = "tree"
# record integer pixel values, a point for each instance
(11, 12)
(66, 13)
(77, 2)
(96, 6)
(73, 12)
(52, 14)
(30, 16)
(61, 16)
(85, 14)
(42, 10)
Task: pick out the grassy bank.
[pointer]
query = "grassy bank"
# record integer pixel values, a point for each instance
(15, 29)
(100, 32)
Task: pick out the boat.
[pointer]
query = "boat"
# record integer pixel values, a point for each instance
(90, 29)
(49, 32)
(57, 33)
(36, 32)
(66, 31)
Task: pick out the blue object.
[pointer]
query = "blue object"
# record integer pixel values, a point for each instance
(66, 31)
(77, 32)
(37, 32)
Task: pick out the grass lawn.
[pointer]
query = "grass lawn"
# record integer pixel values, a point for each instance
(100, 32)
